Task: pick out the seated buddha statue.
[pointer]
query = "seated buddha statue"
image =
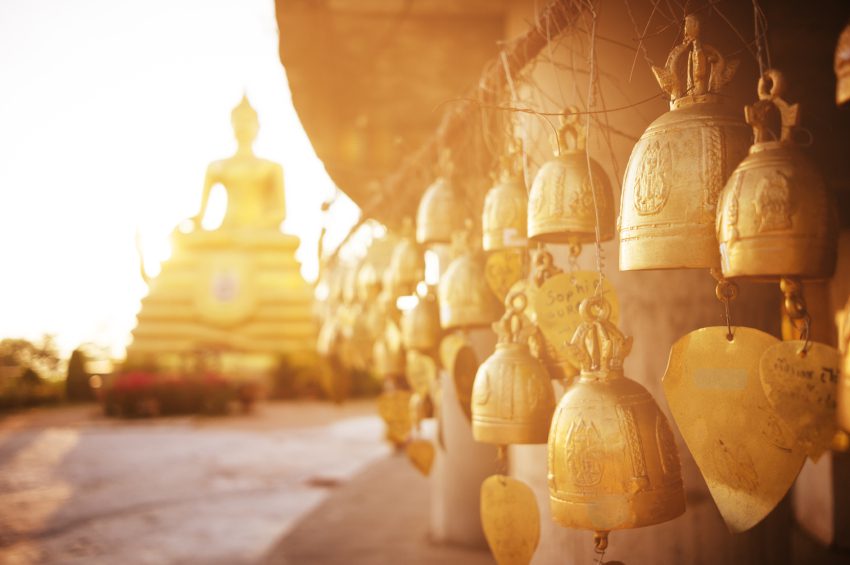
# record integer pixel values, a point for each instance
(254, 186)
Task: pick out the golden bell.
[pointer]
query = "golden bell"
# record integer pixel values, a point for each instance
(512, 396)
(842, 67)
(407, 265)
(775, 217)
(842, 320)
(465, 298)
(388, 354)
(439, 214)
(680, 164)
(504, 223)
(613, 462)
(571, 193)
(420, 326)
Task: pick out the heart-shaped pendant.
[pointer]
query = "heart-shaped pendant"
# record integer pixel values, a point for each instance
(802, 388)
(503, 269)
(510, 518)
(748, 457)
(421, 454)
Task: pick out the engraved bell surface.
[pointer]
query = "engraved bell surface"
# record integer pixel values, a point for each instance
(681, 162)
(464, 297)
(775, 216)
(420, 326)
(568, 198)
(504, 222)
(842, 67)
(512, 396)
(613, 462)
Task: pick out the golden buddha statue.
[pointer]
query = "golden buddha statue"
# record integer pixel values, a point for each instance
(236, 290)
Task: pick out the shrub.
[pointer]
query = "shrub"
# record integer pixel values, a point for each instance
(142, 393)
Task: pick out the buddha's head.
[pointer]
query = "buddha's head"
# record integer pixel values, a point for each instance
(245, 123)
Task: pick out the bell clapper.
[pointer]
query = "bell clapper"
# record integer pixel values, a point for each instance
(795, 307)
(726, 291)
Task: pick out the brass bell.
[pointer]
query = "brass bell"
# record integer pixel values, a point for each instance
(407, 264)
(843, 396)
(512, 396)
(504, 223)
(439, 214)
(613, 462)
(465, 298)
(775, 217)
(681, 162)
(420, 326)
(842, 67)
(571, 193)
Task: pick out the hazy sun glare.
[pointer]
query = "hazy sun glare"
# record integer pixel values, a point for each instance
(109, 113)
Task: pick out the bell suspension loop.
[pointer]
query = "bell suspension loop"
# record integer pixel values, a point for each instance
(726, 291)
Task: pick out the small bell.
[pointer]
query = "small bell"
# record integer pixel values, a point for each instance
(842, 67)
(439, 212)
(571, 193)
(504, 223)
(407, 265)
(681, 162)
(512, 396)
(420, 326)
(464, 296)
(775, 217)
(613, 462)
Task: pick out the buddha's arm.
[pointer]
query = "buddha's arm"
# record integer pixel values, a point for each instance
(277, 197)
(210, 180)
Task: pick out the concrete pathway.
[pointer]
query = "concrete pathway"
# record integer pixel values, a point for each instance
(78, 488)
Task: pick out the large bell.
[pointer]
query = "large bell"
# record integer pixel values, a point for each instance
(407, 264)
(512, 396)
(420, 326)
(775, 217)
(465, 298)
(681, 162)
(571, 193)
(613, 462)
(440, 211)
(842, 67)
(504, 223)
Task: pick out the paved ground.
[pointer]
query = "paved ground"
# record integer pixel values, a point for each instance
(77, 488)
(296, 483)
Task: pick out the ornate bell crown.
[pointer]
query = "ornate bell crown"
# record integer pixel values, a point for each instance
(514, 327)
(771, 87)
(598, 345)
(705, 73)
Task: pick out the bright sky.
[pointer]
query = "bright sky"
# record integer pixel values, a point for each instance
(110, 112)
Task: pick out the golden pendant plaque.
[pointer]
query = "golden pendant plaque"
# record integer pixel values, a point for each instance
(681, 162)
(503, 269)
(421, 453)
(571, 193)
(394, 409)
(775, 216)
(512, 396)
(556, 307)
(459, 360)
(746, 454)
(421, 372)
(613, 462)
(800, 381)
(510, 518)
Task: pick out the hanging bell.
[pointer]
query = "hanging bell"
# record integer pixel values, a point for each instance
(439, 214)
(420, 326)
(571, 193)
(775, 217)
(613, 462)
(842, 67)
(465, 298)
(512, 396)
(681, 162)
(407, 264)
(504, 223)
